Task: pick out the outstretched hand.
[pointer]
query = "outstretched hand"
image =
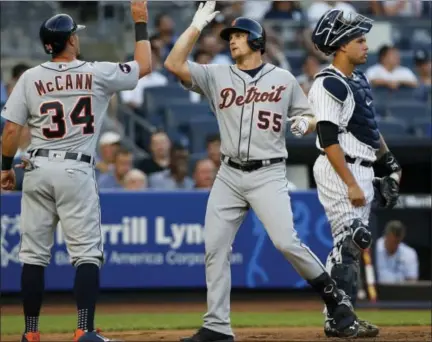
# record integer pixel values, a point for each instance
(139, 11)
(204, 15)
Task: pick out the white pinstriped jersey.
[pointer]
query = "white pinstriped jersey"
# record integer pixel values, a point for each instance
(327, 108)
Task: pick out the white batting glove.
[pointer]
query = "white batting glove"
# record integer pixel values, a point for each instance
(299, 126)
(204, 15)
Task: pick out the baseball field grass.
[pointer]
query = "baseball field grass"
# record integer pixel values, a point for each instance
(65, 323)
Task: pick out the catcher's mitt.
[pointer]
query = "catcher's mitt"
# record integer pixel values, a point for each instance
(386, 192)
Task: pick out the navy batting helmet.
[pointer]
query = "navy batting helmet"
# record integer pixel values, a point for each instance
(335, 29)
(55, 31)
(256, 38)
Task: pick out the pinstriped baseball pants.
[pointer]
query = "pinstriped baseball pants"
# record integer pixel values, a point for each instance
(333, 195)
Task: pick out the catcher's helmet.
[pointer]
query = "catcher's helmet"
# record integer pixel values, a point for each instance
(257, 36)
(55, 31)
(335, 29)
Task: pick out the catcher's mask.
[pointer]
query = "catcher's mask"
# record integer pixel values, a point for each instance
(335, 29)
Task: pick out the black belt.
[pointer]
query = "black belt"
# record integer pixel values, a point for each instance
(251, 165)
(352, 160)
(68, 155)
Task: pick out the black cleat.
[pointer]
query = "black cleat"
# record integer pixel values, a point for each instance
(367, 329)
(207, 335)
(343, 323)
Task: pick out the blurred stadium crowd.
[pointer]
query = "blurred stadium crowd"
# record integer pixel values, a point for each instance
(159, 136)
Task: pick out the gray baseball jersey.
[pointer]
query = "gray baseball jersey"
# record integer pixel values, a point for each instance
(251, 111)
(64, 105)
(252, 114)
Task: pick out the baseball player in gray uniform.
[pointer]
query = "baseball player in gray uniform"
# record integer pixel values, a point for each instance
(350, 142)
(252, 102)
(64, 102)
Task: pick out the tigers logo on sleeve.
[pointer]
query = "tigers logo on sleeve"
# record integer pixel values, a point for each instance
(125, 68)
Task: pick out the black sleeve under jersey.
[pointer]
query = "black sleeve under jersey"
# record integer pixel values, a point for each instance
(327, 133)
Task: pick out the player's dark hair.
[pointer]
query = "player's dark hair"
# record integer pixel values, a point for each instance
(382, 52)
(19, 69)
(396, 228)
(212, 138)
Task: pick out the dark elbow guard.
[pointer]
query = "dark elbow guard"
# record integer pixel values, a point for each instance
(389, 162)
(327, 133)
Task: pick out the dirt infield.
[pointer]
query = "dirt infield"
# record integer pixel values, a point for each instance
(290, 334)
(257, 334)
(414, 333)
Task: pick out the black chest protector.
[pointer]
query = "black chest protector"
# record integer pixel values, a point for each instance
(362, 123)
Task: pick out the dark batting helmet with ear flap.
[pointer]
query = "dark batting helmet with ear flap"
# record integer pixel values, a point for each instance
(256, 37)
(55, 32)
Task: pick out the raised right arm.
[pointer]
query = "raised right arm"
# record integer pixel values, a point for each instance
(176, 61)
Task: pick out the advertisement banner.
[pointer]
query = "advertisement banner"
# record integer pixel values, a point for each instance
(156, 240)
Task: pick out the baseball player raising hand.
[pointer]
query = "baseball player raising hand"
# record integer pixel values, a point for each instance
(252, 101)
(350, 142)
(64, 102)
